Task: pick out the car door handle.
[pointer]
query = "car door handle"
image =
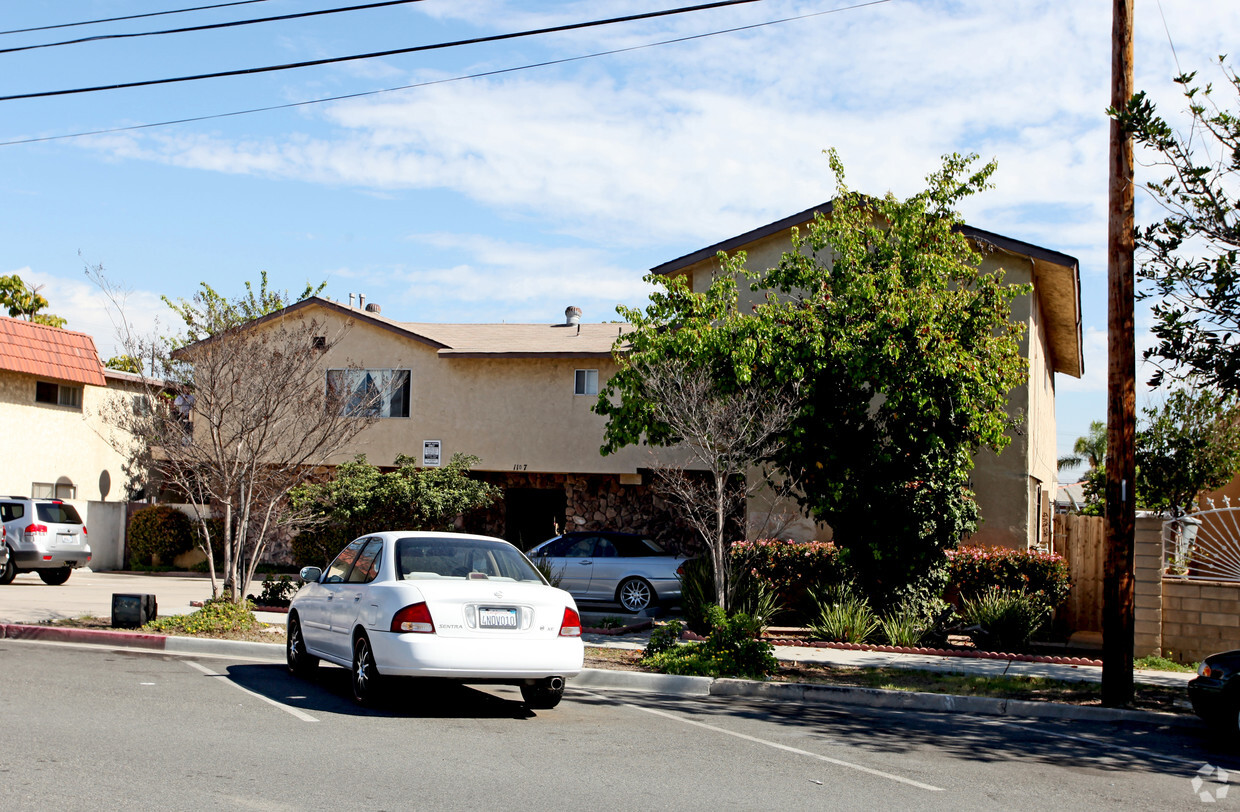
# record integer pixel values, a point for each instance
(329, 597)
(357, 598)
(586, 563)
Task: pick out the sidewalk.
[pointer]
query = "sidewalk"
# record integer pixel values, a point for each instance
(28, 601)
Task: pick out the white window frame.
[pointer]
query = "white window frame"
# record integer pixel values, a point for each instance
(585, 382)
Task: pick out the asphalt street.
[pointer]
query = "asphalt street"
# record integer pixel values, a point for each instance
(101, 728)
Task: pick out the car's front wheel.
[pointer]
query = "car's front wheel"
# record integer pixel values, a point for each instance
(55, 577)
(635, 594)
(300, 662)
(367, 682)
(9, 572)
(543, 695)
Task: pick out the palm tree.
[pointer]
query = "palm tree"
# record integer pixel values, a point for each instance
(1090, 449)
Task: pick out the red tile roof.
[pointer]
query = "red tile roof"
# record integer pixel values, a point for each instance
(48, 352)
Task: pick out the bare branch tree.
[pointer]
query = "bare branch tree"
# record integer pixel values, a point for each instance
(232, 423)
(723, 439)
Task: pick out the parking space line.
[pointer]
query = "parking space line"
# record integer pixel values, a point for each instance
(305, 717)
(776, 745)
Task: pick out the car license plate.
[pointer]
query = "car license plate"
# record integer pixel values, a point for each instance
(497, 618)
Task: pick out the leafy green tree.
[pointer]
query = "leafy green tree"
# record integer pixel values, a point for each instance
(1189, 266)
(358, 498)
(902, 352)
(24, 301)
(208, 313)
(124, 363)
(1189, 445)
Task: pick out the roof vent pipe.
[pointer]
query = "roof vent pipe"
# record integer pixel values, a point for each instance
(372, 308)
(572, 315)
(361, 301)
(350, 300)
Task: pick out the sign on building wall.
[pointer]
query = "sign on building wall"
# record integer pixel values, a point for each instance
(430, 453)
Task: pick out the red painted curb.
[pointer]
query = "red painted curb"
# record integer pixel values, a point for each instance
(99, 637)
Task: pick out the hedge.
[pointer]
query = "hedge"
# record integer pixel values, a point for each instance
(976, 570)
(158, 531)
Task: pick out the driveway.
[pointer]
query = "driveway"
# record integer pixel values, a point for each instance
(29, 600)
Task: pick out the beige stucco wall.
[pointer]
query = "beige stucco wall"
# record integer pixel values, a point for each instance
(514, 413)
(1006, 483)
(58, 443)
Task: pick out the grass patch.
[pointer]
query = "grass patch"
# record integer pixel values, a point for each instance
(1152, 663)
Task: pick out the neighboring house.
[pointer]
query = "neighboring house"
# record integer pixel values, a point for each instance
(517, 396)
(53, 391)
(1014, 489)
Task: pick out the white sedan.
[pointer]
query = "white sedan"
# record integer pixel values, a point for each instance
(414, 604)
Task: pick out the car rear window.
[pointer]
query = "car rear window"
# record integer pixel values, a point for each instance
(422, 558)
(57, 513)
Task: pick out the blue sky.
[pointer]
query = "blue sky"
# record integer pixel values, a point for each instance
(510, 197)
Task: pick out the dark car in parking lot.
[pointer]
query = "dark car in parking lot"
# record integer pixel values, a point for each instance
(1215, 693)
(603, 565)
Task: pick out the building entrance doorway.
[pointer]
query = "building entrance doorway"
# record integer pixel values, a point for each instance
(532, 515)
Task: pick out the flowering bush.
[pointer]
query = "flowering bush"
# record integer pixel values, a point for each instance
(976, 570)
(790, 569)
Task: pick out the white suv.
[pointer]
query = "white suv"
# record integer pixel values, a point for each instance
(44, 536)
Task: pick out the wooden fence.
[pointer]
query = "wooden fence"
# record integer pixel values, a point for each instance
(1082, 541)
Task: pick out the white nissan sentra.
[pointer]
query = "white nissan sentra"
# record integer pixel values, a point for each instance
(415, 604)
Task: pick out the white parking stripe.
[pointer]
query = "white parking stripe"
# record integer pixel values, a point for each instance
(305, 717)
(837, 762)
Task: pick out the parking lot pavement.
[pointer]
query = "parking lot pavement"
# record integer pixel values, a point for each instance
(28, 600)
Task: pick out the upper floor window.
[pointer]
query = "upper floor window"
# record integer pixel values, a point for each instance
(586, 382)
(370, 392)
(58, 393)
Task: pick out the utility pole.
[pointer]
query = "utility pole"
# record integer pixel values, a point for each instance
(1118, 586)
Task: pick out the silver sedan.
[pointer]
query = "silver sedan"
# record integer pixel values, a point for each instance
(607, 566)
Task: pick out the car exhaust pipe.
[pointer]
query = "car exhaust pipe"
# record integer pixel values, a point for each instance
(556, 683)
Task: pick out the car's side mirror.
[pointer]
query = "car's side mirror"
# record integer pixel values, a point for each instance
(309, 574)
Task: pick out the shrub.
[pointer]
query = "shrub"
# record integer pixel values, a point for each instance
(663, 638)
(975, 571)
(843, 616)
(697, 594)
(276, 591)
(1006, 620)
(731, 650)
(790, 569)
(217, 616)
(904, 626)
(318, 546)
(158, 531)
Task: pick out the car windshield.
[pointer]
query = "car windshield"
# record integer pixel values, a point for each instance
(421, 558)
(57, 513)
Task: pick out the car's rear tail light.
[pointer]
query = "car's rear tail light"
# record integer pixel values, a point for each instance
(83, 530)
(47, 558)
(415, 618)
(33, 529)
(570, 626)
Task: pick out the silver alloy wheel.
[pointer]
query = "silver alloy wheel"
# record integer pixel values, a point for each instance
(635, 594)
(365, 674)
(300, 662)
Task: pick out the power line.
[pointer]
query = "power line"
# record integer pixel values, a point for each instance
(208, 26)
(379, 54)
(428, 83)
(130, 17)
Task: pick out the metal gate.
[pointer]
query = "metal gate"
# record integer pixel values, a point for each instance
(1203, 546)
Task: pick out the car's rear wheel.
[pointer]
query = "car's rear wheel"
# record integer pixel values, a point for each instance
(9, 572)
(55, 577)
(367, 682)
(635, 594)
(300, 662)
(543, 695)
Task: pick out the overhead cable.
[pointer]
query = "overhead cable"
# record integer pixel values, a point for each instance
(497, 72)
(379, 54)
(209, 26)
(131, 17)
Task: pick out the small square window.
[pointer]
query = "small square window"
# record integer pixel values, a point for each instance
(59, 394)
(45, 392)
(319, 342)
(586, 382)
(42, 490)
(66, 491)
(71, 396)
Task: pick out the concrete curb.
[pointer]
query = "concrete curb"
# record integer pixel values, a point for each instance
(601, 678)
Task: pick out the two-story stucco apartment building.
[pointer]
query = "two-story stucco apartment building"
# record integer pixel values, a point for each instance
(519, 397)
